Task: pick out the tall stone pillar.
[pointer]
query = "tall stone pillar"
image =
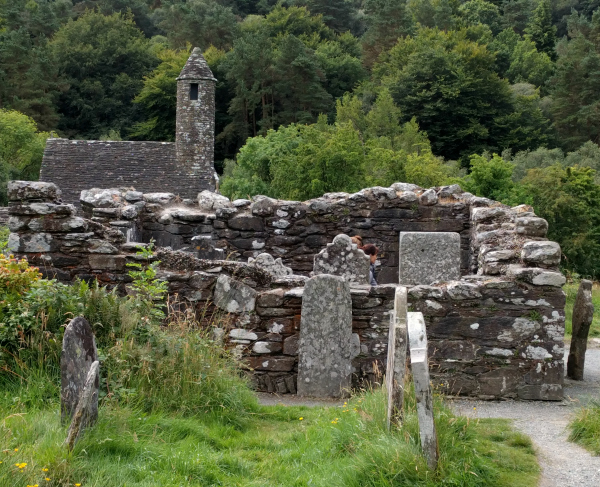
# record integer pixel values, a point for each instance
(195, 129)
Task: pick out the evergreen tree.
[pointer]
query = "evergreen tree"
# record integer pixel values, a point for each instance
(201, 23)
(541, 30)
(386, 21)
(339, 15)
(575, 88)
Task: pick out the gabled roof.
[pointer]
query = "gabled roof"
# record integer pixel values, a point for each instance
(196, 67)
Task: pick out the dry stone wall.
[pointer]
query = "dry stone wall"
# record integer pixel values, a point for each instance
(497, 332)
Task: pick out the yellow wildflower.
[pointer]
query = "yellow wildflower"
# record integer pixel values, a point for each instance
(44, 469)
(47, 479)
(300, 419)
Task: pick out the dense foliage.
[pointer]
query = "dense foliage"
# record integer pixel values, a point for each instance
(316, 96)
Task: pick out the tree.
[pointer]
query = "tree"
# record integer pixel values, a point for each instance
(103, 58)
(516, 14)
(570, 200)
(525, 126)
(449, 84)
(201, 23)
(541, 30)
(28, 76)
(528, 65)
(287, 68)
(339, 15)
(434, 13)
(158, 98)
(491, 177)
(21, 149)
(519, 60)
(476, 12)
(363, 147)
(386, 21)
(575, 87)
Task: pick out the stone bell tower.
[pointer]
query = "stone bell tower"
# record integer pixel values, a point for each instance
(195, 129)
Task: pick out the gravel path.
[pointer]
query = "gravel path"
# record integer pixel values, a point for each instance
(564, 464)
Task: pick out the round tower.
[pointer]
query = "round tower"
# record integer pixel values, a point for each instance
(195, 129)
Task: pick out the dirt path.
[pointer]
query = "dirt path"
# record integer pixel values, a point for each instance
(563, 463)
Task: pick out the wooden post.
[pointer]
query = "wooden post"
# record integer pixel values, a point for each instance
(396, 358)
(583, 314)
(83, 405)
(420, 370)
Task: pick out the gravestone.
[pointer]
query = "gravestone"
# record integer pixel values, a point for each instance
(417, 337)
(78, 354)
(427, 257)
(583, 314)
(396, 358)
(325, 347)
(85, 402)
(343, 258)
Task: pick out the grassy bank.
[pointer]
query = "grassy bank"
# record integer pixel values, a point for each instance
(585, 428)
(269, 446)
(571, 290)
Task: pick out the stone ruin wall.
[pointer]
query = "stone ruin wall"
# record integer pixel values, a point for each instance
(497, 332)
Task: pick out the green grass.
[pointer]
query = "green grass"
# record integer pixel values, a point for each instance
(270, 446)
(571, 291)
(585, 428)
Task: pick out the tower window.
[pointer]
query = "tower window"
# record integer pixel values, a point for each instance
(193, 91)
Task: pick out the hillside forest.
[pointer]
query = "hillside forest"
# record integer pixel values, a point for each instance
(314, 96)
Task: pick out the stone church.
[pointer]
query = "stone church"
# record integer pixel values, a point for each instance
(184, 167)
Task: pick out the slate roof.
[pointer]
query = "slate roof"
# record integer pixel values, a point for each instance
(196, 67)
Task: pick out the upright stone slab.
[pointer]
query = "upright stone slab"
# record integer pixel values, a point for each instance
(325, 348)
(78, 354)
(583, 314)
(417, 337)
(396, 358)
(343, 258)
(427, 257)
(85, 402)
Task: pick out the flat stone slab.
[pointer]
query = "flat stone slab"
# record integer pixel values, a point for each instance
(427, 257)
(325, 347)
(343, 258)
(78, 354)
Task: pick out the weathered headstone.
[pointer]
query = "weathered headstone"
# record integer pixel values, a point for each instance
(396, 358)
(343, 258)
(583, 314)
(273, 266)
(78, 354)
(90, 389)
(427, 257)
(325, 348)
(417, 337)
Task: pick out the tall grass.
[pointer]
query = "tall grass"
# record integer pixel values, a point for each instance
(275, 446)
(585, 428)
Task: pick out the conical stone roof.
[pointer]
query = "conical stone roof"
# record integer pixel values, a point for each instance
(196, 67)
